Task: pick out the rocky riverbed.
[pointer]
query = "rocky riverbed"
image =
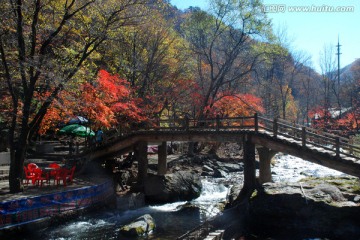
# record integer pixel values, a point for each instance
(313, 208)
(305, 200)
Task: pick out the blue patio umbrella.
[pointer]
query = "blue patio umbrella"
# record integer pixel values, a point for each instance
(78, 120)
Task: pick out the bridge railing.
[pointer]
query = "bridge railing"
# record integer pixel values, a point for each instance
(307, 135)
(275, 127)
(213, 124)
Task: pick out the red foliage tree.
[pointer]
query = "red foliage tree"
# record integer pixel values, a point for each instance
(107, 101)
(320, 118)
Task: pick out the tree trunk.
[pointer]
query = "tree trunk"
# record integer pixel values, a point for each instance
(18, 154)
(16, 170)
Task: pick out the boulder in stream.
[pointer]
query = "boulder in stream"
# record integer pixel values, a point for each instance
(141, 226)
(178, 186)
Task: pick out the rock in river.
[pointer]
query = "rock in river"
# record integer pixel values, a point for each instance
(178, 186)
(143, 225)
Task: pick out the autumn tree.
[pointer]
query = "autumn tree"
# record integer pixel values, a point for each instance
(280, 75)
(355, 96)
(308, 94)
(237, 105)
(350, 86)
(156, 61)
(222, 43)
(288, 70)
(328, 71)
(107, 101)
(43, 47)
(336, 96)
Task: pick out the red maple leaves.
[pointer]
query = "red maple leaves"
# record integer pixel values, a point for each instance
(107, 102)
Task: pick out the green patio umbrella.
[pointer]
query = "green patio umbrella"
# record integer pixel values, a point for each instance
(83, 131)
(77, 130)
(68, 129)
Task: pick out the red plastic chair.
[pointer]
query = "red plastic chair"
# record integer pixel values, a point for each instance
(65, 175)
(28, 176)
(70, 174)
(32, 166)
(56, 167)
(40, 177)
(61, 175)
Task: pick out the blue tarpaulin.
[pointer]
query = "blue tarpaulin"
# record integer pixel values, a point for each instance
(26, 210)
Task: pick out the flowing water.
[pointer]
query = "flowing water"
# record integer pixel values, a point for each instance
(171, 222)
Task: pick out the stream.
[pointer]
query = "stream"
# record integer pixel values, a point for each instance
(170, 221)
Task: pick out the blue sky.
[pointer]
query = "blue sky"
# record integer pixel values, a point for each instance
(310, 31)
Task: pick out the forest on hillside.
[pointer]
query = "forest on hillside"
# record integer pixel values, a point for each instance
(129, 61)
(126, 62)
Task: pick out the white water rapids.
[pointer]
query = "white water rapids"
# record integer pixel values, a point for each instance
(212, 193)
(288, 168)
